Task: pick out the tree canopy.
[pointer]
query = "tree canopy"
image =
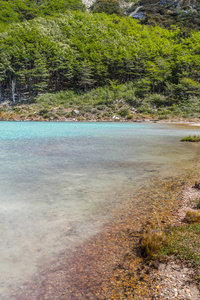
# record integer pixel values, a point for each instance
(12, 11)
(80, 50)
(108, 6)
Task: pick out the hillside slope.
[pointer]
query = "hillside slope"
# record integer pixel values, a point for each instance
(182, 13)
(114, 57)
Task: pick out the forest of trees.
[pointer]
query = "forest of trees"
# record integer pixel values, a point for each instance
(81, 50)
(12, 11)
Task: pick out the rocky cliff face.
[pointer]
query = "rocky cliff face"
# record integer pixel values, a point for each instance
(88, 3)
(123, 3)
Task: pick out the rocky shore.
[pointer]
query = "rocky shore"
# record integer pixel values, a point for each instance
(175, 278)
(121, 112)
(137, 119)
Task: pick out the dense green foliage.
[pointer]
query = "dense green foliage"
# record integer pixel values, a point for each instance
(111, 102)
(119, 99)
(83, 50)
(108, 6)
(19, 10)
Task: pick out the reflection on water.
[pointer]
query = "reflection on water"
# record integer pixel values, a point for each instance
(55, 175)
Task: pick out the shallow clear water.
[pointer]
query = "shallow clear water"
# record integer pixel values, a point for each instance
(54, 176)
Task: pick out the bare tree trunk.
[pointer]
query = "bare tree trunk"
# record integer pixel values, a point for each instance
(13, 91)
(1, 94)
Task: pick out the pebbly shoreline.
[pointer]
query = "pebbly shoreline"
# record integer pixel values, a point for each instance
(110, 265)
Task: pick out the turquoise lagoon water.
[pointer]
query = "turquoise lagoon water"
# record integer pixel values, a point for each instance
(55, 176)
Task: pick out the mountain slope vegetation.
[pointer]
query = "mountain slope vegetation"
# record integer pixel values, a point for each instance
(182, 13)
(79, 51)
(12, 11)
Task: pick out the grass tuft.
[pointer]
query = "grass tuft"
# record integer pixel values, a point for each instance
(162, 240)
(152, 241)
(192, 216)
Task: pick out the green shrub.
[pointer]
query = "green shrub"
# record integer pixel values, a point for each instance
(158, 100)
(16, 109)
(46, 116)
(123, 112)
(106, 114)
(143, 88)
(101, 107)
(108, 6)
(61, 112)
(43, 111)
(145, 110)
(130, 116)
(87, 108)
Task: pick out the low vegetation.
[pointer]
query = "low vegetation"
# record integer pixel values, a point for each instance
(192, 216)
(194, 138)
(182, 241)
(112, 102)
(153, 240)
